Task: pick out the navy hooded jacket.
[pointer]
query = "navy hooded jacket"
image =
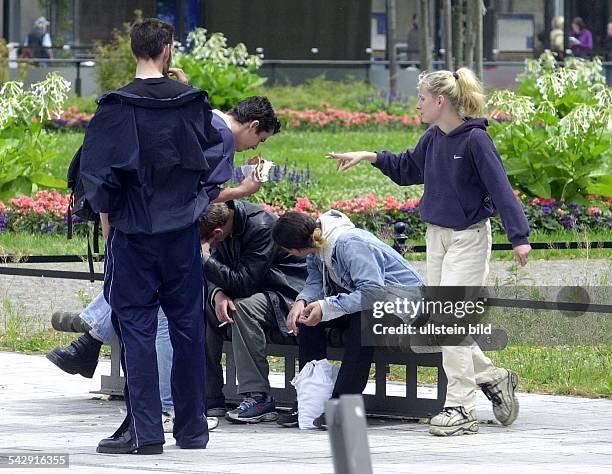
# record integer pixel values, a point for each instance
(463, 176)
(153, 164)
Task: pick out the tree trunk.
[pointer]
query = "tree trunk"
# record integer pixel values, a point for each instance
(480, 11)
(392, 51)
(458, 33)
(426, 45)
(448, 36)
(470, 33)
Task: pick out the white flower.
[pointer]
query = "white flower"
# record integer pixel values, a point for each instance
(42, 99)
(215, 49)
(520, 107)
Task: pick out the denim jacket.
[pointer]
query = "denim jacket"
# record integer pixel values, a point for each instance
(357, 261)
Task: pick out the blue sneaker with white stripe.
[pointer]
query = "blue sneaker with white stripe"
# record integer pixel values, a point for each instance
(253, 409)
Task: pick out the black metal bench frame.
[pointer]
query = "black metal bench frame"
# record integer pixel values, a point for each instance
(380, 403)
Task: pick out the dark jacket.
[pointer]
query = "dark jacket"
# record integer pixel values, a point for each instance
(146, 161)
(248, 262)
(465, 181)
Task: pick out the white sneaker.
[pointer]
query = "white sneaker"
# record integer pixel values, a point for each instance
(501, 393)
(213, 422)
(454, 421)
(168, 421)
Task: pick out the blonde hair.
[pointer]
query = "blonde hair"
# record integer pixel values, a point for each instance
(318, 241)
(462, 89)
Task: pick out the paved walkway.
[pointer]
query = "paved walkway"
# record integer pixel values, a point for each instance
(38, 298)
(44, 410)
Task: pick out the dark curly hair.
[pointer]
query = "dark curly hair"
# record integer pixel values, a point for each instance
(256, 108)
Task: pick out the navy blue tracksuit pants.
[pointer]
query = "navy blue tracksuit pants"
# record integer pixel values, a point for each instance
(143, 272)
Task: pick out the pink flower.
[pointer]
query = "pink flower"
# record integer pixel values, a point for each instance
(594, 211)
(391, 203)
(410, 204)
(543, 201)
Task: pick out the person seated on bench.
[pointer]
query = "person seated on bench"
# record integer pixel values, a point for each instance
(247, 276)
(253, 285)
(342, 261)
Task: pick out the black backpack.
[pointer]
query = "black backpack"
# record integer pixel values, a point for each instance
(79, 206)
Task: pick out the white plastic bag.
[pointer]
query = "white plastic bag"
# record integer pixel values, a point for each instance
(314, 386)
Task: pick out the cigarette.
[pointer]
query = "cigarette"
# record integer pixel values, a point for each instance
(223, 324)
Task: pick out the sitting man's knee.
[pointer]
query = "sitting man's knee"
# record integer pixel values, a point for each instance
(245, 306)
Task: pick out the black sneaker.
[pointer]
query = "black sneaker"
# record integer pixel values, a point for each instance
(289, 419)
(319, 422)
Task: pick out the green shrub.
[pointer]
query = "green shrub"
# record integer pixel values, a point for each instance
(227, 74)
(27, 150)
(345, 94)
(4, 52)
(115, 63)
(557, 142)
(84, 104)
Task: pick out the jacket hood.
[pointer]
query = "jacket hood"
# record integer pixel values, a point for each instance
(333, 225)
(468, 125)
(148, 102)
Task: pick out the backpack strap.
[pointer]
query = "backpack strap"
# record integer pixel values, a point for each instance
(90, 259)
(96, 235)
(69, 217)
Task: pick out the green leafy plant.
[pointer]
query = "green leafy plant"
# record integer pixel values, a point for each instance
(115, 63)
(557, 139)
(226, 73)
(26, 148)
(4, 53)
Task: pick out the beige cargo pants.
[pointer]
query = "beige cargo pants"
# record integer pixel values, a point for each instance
(461, 258)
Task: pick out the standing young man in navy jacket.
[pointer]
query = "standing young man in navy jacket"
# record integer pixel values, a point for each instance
(151, 163)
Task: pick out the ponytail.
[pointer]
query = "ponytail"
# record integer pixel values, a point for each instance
(462, 88)
(318, 241)
(297, 230)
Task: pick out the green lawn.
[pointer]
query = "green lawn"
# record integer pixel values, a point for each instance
(20, 243)
(309, 149)
(563, 370)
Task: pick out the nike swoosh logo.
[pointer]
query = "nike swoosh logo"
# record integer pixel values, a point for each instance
(455, 157)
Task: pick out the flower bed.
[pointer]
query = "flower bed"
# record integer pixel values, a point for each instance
(377, 213)
(330, 118)
(71, 119)
(324, 118)
(42, 214)
(46, 213)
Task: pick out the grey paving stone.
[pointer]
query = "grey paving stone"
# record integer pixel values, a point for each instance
(44, 410)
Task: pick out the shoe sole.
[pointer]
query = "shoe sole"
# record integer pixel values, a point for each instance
(58, 361)
(465, 429)
(255, 419)
(289, 424)
(515, 403)
(212, 422)
(143, 450)
(216, 412)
